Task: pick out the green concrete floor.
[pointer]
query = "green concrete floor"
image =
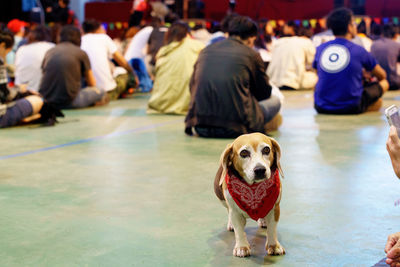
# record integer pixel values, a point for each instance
(112, 186)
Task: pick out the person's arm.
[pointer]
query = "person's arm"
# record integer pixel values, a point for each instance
(393, 148)
(379, 72)
(119, 58)
(90, 79)
(262, 89)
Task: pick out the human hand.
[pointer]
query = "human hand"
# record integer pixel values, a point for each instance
(393, 148)
(392, 250)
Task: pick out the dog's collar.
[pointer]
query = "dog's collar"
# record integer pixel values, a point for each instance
(258, 199)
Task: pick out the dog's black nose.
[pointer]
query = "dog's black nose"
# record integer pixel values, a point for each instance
(259, 171)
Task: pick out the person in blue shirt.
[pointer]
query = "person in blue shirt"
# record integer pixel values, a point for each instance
(341, 65)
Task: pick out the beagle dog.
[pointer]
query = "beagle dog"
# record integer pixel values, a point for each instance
(248, 185)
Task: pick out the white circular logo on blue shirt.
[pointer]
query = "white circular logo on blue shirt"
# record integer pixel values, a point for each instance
(335, 58)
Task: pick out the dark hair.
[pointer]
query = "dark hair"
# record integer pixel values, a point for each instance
(66, 2)
(292, 24)
(171, 17)
(177, 32)
(305, 31)
(7, 37)
(339, 20)
(90, 25)
(38, 34)
(389, 31)
(226, 20)
(376, 29)
(362, 27)
(70, 34)
(156, 22)
(243, 27)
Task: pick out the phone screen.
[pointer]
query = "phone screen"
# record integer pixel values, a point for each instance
(395, 118)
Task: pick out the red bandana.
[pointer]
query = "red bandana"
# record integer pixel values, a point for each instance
(257, 199)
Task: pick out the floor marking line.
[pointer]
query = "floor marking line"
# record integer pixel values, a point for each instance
(87, 140)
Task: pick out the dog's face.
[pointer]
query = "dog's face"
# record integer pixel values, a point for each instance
(252, 156)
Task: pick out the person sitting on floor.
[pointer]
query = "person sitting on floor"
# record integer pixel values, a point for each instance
(64, 67)
(135, 55)
(100, 48)
(290, 65)
(230, 93)
(29, 58)
(339, 64)
(174, 67)
(14, 111)
(387, 52)
(362, 34)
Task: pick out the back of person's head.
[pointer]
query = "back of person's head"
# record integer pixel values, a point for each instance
(64, 2)
(177, 32)
(243, 27)
(362, 27)
(389, 31)
(55, 30)
(90, 25)
(171, 18)
(339, 19)
(376, 29)
(226, 20)
(6, 37)
(156, 22)
(290, 29)
(215, 27)
(40, 33)
(305, 32)
(70, 34)
(16, 25)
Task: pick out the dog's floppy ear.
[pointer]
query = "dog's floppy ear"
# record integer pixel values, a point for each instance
(277, 155)
(225, 161)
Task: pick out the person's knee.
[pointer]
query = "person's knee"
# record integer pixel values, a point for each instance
(36, 103)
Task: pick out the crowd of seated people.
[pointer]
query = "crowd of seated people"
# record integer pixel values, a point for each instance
(348, 70)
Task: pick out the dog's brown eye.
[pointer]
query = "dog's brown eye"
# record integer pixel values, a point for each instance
(245, 153)
(266, 150)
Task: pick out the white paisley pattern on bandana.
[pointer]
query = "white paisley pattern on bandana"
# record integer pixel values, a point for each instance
(251, 197)
(256, 199)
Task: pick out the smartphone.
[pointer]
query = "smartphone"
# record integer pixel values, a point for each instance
(393, 117)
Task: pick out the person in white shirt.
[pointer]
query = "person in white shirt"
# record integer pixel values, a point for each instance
(101, 49)
(135, 54)
(29, 57)
(137, 47)
(290, 65)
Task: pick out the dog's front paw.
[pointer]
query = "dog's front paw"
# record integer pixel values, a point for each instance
(241, 252)
(229, 227)
(262, 223)
(275, 250)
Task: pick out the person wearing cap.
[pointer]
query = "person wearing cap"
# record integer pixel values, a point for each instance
(17, 27)
(14, 111)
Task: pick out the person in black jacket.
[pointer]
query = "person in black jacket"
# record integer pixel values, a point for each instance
(230, 93)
